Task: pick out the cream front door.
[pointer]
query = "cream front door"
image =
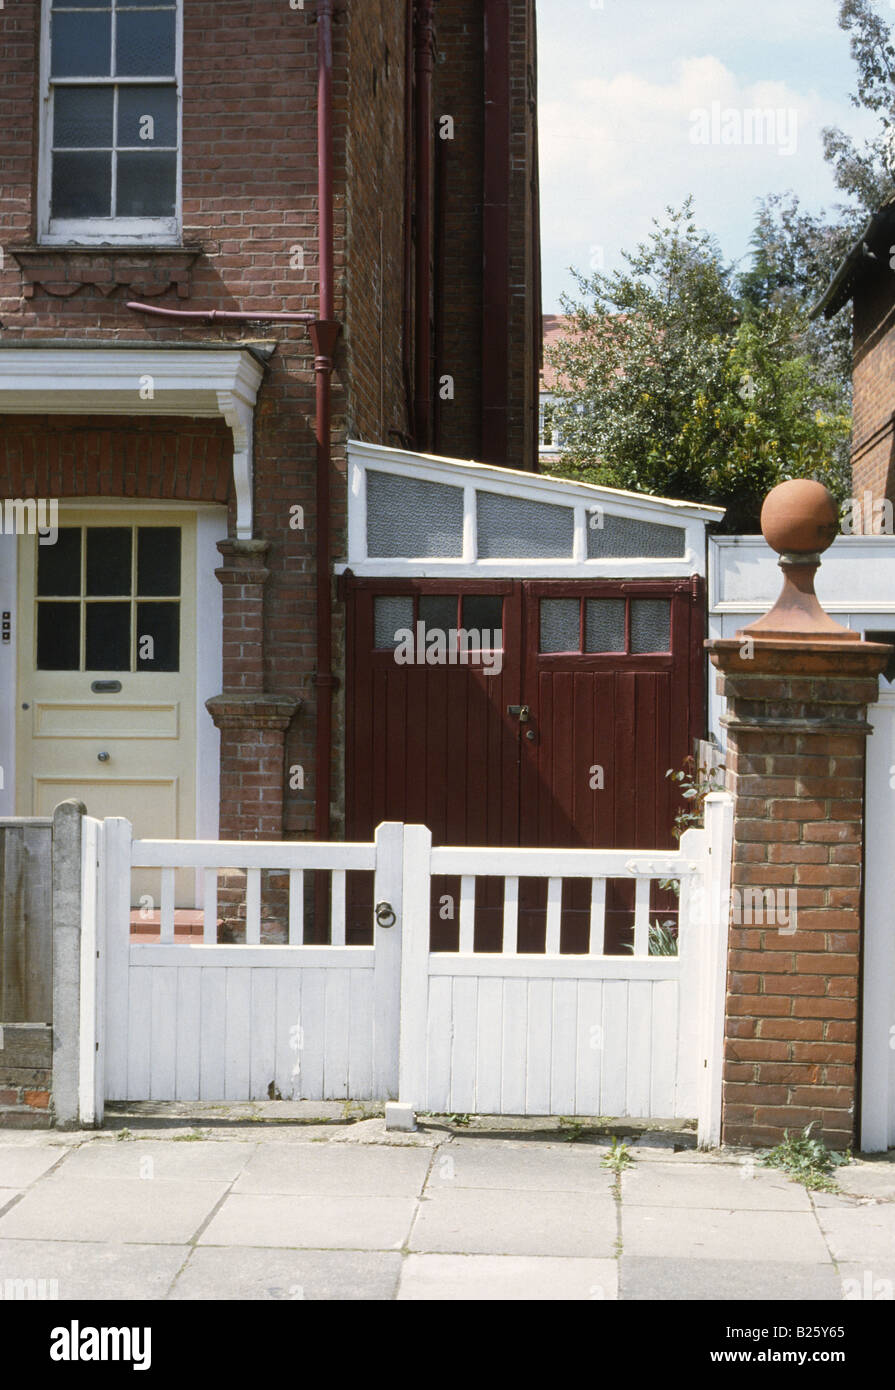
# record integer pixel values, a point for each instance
(107, 670)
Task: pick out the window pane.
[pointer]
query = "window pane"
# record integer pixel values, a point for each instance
(82, 185)
(160, 624)
(650, 625)
(145, 44)
(82, 116)
(622, 537)
(390, 614)
(59, 565)
(108, 560)
(82, 4)
(158, 561)
(514, 527)
(412, 518)
(81, 45)
(147, 184)
(483, 613)
(108, 637)
(438, 612)
(560, 625)
(136, 104)
(604, 625)
(58, 636)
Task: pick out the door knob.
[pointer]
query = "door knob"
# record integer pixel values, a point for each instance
(102, 757)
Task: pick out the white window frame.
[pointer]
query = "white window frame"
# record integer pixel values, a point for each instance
(103, 231)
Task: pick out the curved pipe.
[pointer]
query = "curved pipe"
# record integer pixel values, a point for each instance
(221, 315)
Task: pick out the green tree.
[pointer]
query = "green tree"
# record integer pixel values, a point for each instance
(681, 380)
(865, 171)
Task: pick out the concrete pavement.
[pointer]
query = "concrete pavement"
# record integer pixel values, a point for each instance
(226, 1203)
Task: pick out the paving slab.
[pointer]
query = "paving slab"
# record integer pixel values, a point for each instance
(311, 1275)
(93, 1270)
(872, 1281)
(868, 1180)
(701, 1233)
(111, 1209)
(500, 1163)
(165, 1160)
(489, 1278)
(671, 1280)
(20, 1167)
(475, 1221)
(311, 1223)
(859, 1234)
(336, 1170)
(9, 1194)
(726, 1188)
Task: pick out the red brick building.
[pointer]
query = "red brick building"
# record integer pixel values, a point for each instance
(865, 278)
(367, 171)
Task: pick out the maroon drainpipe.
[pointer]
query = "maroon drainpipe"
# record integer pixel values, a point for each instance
(324, 334)
(496, 233)
(424, 135)
(221, 315)
(407, 303)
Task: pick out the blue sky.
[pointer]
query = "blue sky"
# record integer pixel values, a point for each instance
(619, 83)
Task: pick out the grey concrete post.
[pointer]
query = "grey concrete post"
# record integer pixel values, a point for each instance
(66, 960)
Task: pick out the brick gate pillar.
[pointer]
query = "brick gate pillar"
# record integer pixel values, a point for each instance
(252, 721)
(797, 687)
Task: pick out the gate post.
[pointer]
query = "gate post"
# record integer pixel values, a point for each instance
(68, 819)
(387, 899)
(414, 977)
(797, 687)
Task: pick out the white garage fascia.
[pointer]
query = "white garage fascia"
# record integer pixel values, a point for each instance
(132, 379)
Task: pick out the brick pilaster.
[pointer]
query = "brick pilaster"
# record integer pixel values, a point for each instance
(796, 743)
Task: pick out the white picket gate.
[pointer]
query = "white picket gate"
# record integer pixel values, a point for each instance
(501, 1033)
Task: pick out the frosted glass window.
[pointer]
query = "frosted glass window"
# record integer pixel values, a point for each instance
(410, 518)
(515, 528)
(438, 612)
(650, 625)
(621, 538)
(604, 625)
(390, 614)
(560, 625)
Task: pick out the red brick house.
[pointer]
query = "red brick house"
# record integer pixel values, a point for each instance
(866, 280)
(328, 213)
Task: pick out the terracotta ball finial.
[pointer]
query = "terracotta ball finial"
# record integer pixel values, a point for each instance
(800, 520)
(799, 517)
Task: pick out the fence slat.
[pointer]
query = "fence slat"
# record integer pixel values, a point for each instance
(467, 913)
(554, 915)
(597, 942)
(253, 907)
(296, 907)
(337, 911)
(641, 917)
(210, 907)
(166, 929)
(510, 916)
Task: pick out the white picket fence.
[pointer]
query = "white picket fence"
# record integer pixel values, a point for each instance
(451, 1031)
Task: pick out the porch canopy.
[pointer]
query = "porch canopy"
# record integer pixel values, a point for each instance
(415, 514)
(205, 379)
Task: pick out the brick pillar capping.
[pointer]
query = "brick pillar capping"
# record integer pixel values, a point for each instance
(797, 728)
(252, 721)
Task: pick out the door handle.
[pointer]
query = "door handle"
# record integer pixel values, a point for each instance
(522, 712)
(102, 757)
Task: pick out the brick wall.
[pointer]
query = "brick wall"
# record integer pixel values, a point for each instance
(873, 428)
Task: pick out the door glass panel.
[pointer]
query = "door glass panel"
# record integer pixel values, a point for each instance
(108, 637)
(160, 624)
(58, 636)
(483, 613)
(82, 117)
(560, 625)
(158, 561)
(604, 625)
(390, 614)
(108, 560)
(650, 625)
(438, 612)
(59, 565)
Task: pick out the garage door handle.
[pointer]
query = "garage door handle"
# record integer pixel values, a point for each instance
(102, 757)
(105, 687)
